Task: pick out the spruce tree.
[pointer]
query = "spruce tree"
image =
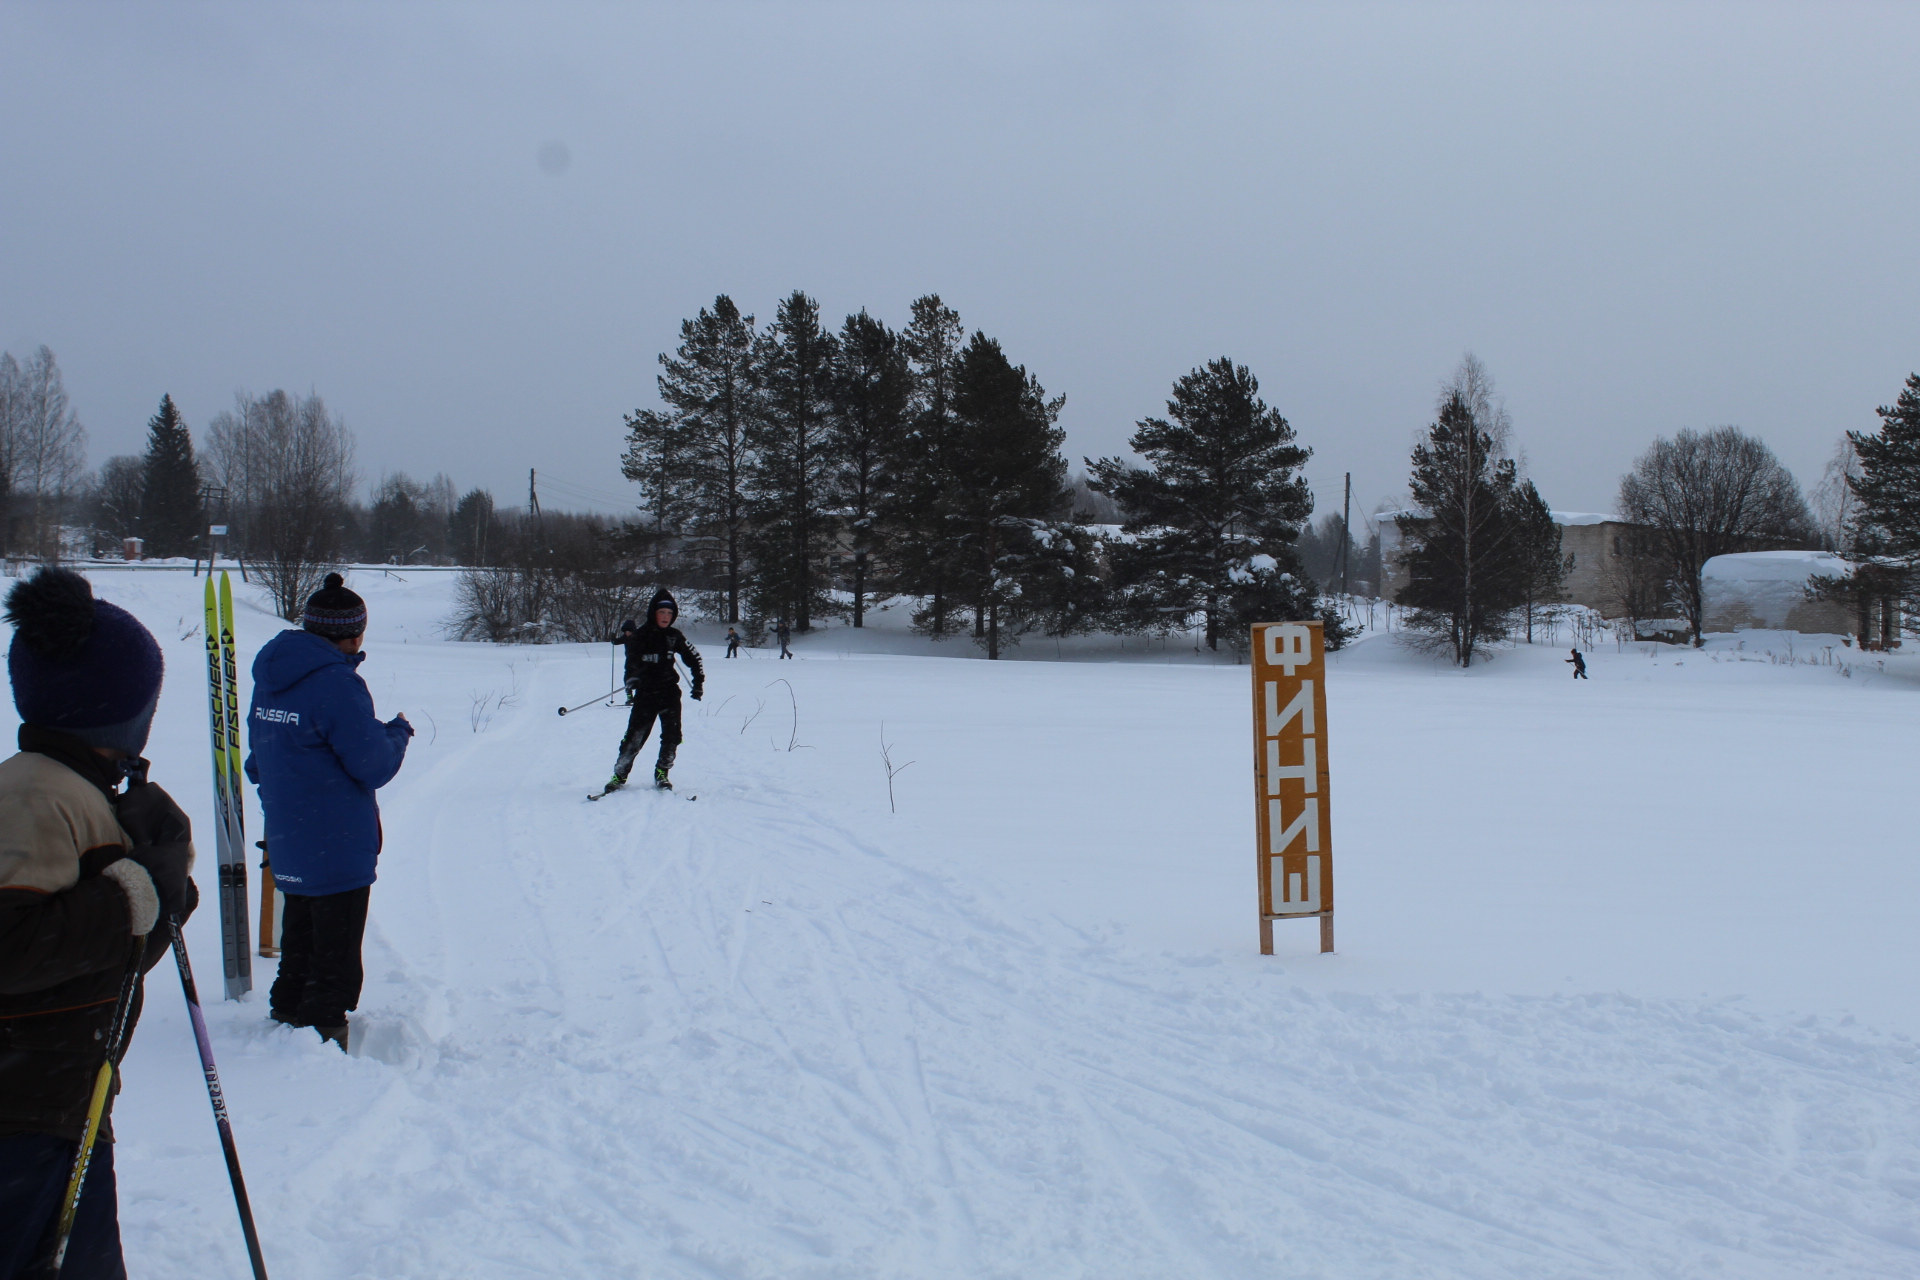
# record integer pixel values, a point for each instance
(1215, 513)
(790, 479)
(1462, 550)
(871, 390)
(1007, 474)
(692, 461)
(924, 526)
(171, 518)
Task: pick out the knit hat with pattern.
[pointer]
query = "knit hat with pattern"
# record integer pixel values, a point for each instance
(335, 612)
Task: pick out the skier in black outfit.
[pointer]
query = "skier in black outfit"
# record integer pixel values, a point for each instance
(655, 687)
(1579, 665)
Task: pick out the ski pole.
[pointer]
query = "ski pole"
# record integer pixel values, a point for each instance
(218, 1099)
(97, 1109)
(590, 701)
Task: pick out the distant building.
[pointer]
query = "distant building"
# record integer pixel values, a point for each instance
(1593, 542)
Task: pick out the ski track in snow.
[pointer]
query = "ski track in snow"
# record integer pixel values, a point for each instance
(753, 1036)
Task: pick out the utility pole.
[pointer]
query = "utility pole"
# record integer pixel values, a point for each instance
(1346, 537)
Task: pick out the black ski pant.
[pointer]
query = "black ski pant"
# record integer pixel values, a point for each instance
(320, 973)
(649, 705)
(34, 1168)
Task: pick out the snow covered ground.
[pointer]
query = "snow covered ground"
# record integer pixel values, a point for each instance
(1624, 985)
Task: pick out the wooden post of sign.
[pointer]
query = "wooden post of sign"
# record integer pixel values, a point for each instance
(1292, 819)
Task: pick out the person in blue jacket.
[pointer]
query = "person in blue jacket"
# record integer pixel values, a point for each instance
(318, 753)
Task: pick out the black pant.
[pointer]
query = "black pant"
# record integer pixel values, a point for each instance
(649, 704)
(320, 972)
(34, 1168)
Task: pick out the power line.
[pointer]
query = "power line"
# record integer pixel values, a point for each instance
(584, 493)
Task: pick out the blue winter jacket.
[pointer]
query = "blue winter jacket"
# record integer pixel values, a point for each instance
(318, 753)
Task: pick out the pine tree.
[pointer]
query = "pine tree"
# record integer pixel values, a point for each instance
(925, 527)
(171, 517)
(1215, 513)
(1462, 556)
(470, 529)
(1008, 473)
(1886, 525)
(871, 390)
(692, 461)
(1888, 522)
(1541, 566)
(396, 524)
(791, 473)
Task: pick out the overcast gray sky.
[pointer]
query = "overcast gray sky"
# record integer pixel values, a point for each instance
(1640, 217)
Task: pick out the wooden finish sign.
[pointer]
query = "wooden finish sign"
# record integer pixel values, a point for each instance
(1290, 777)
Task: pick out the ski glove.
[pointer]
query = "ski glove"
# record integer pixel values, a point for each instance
(168, 865)
(403, 722)
(697, 691)
(149, 816)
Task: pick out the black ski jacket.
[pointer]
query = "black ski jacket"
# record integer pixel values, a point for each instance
(650, 652)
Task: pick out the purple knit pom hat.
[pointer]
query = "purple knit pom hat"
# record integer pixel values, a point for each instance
(81, 665)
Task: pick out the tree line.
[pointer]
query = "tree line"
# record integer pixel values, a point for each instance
(277, 471)
(801, 472)
(1482, 552)
(43, 452)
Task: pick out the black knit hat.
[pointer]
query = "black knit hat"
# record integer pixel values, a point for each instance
(663, 599)
(335, 612)
(81, 665)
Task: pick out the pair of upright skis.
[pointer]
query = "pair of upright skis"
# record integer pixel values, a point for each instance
(230, 827)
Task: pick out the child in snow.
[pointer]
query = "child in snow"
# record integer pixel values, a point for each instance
(783, 634)
(318, 755)
(1579, 665)
(733, 643)
(90, 878)
(655, 686)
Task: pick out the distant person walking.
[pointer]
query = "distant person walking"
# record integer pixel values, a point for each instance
(1579, 665)
(784, 635)
(733, 643)
(318, 755)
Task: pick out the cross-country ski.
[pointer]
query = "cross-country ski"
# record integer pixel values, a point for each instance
(229, 806)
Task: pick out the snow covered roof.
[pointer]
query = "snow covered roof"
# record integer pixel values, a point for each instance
(1774, 566)
(1561, 518)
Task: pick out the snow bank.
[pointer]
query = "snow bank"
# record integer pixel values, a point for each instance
(1019, 1029)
